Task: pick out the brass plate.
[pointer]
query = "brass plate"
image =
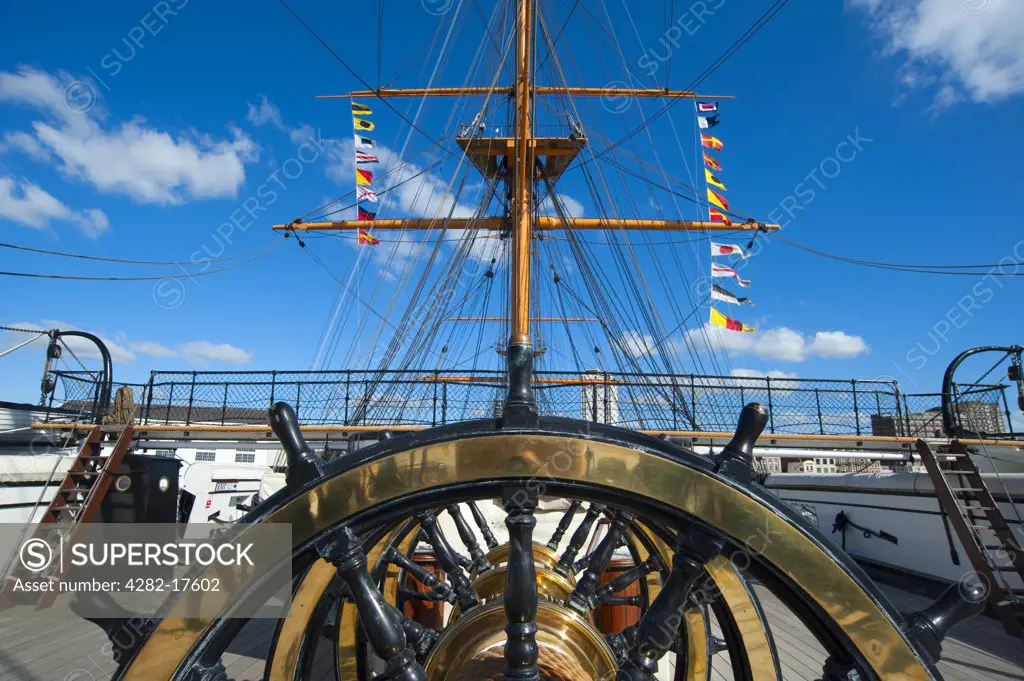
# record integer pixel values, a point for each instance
(752, 629)
(550, 585)
(285, 659)
(698, 666)
(631, 471)
(483, 629)
(542, 556)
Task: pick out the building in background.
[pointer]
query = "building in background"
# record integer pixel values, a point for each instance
(857, 465)
(982, 417)
(599, 398)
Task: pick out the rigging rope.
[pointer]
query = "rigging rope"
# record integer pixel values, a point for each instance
(921, 269)
(36, 275)
(134, 262)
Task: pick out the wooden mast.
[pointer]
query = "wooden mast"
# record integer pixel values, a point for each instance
(520, 405)
(523, 178)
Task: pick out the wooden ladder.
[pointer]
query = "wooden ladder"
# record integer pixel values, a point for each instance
(983, 531)
(79, 497)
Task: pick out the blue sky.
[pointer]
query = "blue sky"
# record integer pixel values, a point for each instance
(140, 131)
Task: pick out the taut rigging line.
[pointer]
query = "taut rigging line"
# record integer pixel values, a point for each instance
(920, 269)
(127, 261)
(186, 275)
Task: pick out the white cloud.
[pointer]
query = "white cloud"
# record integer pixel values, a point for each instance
(27, 144)
(37, 89)
(265, 112)
(571, 206)
(780, 343)
(203, 352)
(152, 349)
(837, 344)
(27, 203)
(82, 347)
(789, 380)
(754, 373)
(975, 47)
(132, 158)
(637, 344)
(303, 133)
(195, 353)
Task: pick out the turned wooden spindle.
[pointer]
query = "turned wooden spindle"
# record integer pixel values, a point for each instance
(448, 559)
(579, 537)
(581, 598)
(563, 524)
(481, 522)
(383, 624)
(428, 578)
(476, 554)
(656, 632)
(605, 593)
(520, 588)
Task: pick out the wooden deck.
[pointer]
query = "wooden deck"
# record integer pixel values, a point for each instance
(34, 647)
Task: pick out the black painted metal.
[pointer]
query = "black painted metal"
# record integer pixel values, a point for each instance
(736, 459)
(581, 564)
(438, 586)
(582, 597)
(520, 404)
(957, 603)
(414, 595)
(476, 554)
(579, 537)
(836, 670)
(481, 523)
(657, 629)
(563, 524)
(605, 593)
(383, 624)
(102, 405)
(949, 424)
(621, 600)
(622, 642)
(303, 465)
(448, 559)
(421, 640)
(520, 586)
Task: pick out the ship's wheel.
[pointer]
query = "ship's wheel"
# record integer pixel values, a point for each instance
(698, 534)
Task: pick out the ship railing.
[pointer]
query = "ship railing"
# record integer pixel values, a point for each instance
(669, 402)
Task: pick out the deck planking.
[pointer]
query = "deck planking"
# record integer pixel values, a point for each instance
(41, 647)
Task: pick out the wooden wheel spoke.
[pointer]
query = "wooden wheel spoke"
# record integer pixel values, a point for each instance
(439, 588)
(385, 627)
(448, 558)
(605, 594)
(656, 632)
(481, 523)
(563, 524)
(521, 588)
(476, 554)
(579, 537)
(582, 597)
